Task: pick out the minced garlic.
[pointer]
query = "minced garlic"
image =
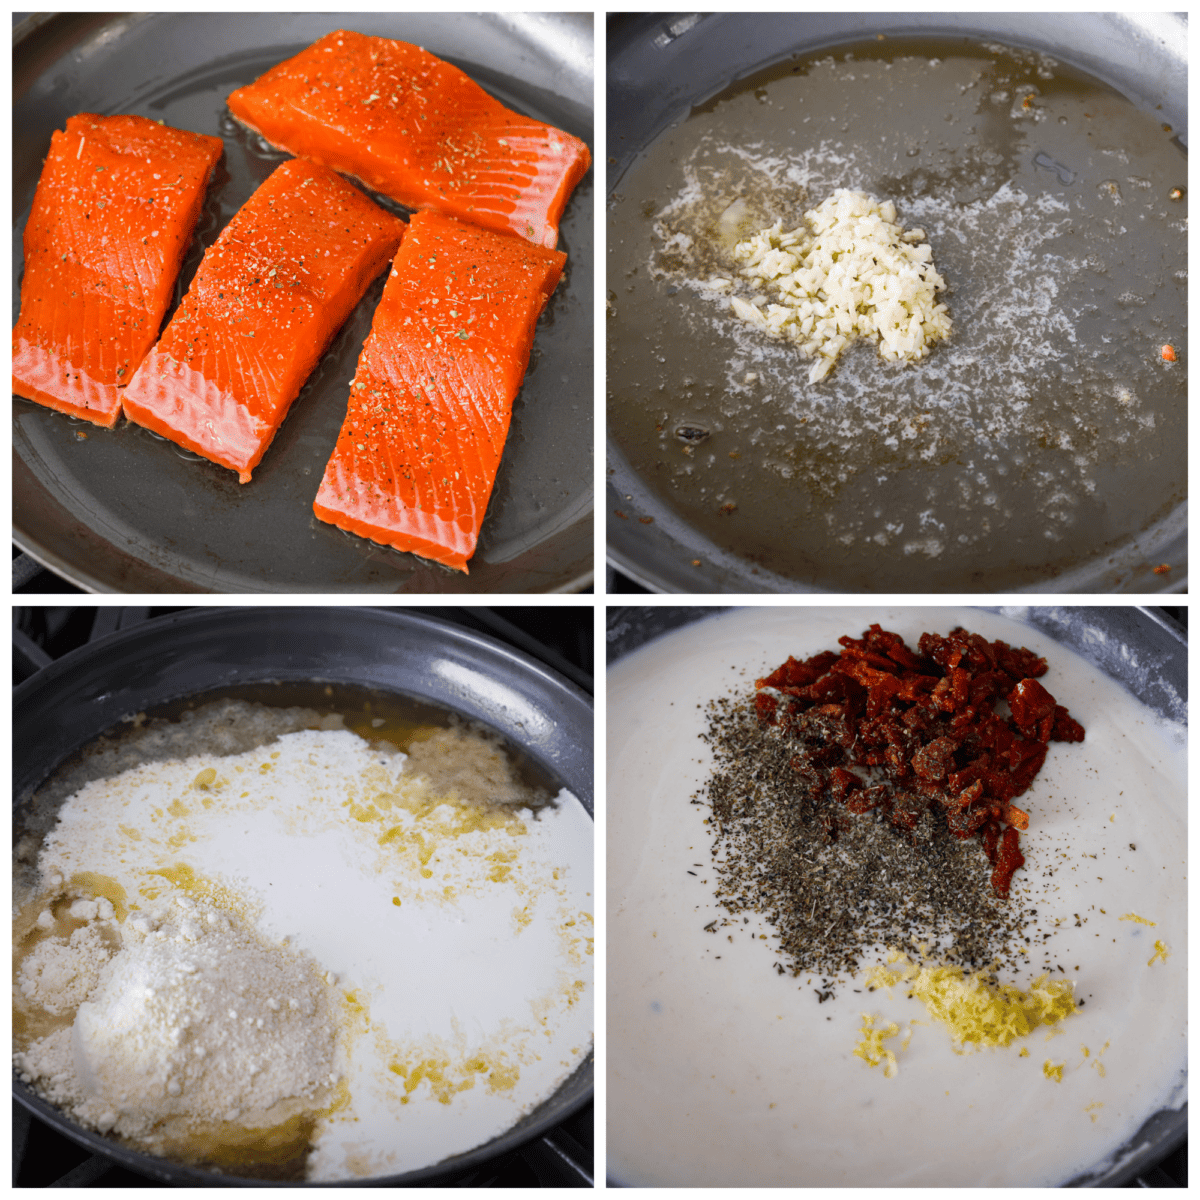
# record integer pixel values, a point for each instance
(850, 271)
(978, 1010)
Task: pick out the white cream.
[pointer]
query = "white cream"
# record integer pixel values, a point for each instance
(485, 960)
(723, 1073)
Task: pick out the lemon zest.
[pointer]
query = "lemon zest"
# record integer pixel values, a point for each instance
(871, 1049)
(976, 1009)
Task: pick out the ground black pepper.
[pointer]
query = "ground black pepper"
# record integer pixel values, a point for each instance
(839, 887)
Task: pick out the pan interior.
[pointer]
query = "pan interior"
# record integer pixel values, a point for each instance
(199, 724)
(125, 510)
(1044, 435)
(165, 731)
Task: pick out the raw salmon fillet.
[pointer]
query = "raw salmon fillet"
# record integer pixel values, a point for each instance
(270, 295)
(112, 217)
(431, 400)
(418, 130)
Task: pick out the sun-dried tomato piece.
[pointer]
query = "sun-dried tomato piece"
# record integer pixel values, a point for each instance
(916, 689)
(1022, 775)
(968, 796)
(1016, 818)
(957, 780)
(1009, 859)
(797, 673)
(867, 799)
(1031, 704)
(989, 835)
(879, 661)
(1066, 728)
(934, 760)
(987, 686)
(963, 822)
(841, 783)
(1020, 663)
(900, 653)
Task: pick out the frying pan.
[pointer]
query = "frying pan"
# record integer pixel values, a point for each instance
(672, 363)
(1146, 652)
(125, 511)
(77, 697)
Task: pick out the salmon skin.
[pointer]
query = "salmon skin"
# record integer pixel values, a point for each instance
(431, 399)
(269, 296)
(114, 211)
(418, 130)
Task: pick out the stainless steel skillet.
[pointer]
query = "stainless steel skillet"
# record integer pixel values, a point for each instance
(1145, 650)
(836, 513)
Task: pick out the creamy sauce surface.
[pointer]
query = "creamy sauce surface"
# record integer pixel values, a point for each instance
(458, 939)
(722, 1072)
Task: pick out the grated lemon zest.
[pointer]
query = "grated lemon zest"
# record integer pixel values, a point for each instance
(1160, 951)
(1134, 917)
(977, 1010)
(871, 1049)
(1052, 1071)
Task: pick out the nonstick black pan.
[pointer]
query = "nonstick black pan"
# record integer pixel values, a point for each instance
(67, 704)
(122, 510)
(1043, 446)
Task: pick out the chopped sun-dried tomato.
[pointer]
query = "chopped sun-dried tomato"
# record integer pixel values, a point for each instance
(990, 836)
(1066, 728)
(928, 721)
(841, 782)
(1008, 860)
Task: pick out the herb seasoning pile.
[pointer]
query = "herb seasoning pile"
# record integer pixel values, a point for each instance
(864, 800)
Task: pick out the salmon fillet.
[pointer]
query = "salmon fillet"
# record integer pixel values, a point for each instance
(431, 399)
(418, 130)
(270, 295)
(112, 217)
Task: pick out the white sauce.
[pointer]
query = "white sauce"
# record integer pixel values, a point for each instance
(723, 1073)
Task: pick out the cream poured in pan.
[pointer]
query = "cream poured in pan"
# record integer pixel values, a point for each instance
(299, 944)
(1042, 435)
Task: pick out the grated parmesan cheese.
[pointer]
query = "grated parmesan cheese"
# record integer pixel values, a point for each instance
(854, 273)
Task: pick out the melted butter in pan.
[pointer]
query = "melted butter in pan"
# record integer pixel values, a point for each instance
(1043, 434)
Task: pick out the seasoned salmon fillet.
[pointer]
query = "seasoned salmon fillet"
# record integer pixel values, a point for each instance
(418, 130)
(431, 399)
(112, 217)
(267, 300)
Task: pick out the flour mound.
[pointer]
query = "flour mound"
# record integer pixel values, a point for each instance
(853, 273)
(193, 1022)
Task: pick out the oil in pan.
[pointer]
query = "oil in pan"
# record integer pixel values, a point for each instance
(1047, 432)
